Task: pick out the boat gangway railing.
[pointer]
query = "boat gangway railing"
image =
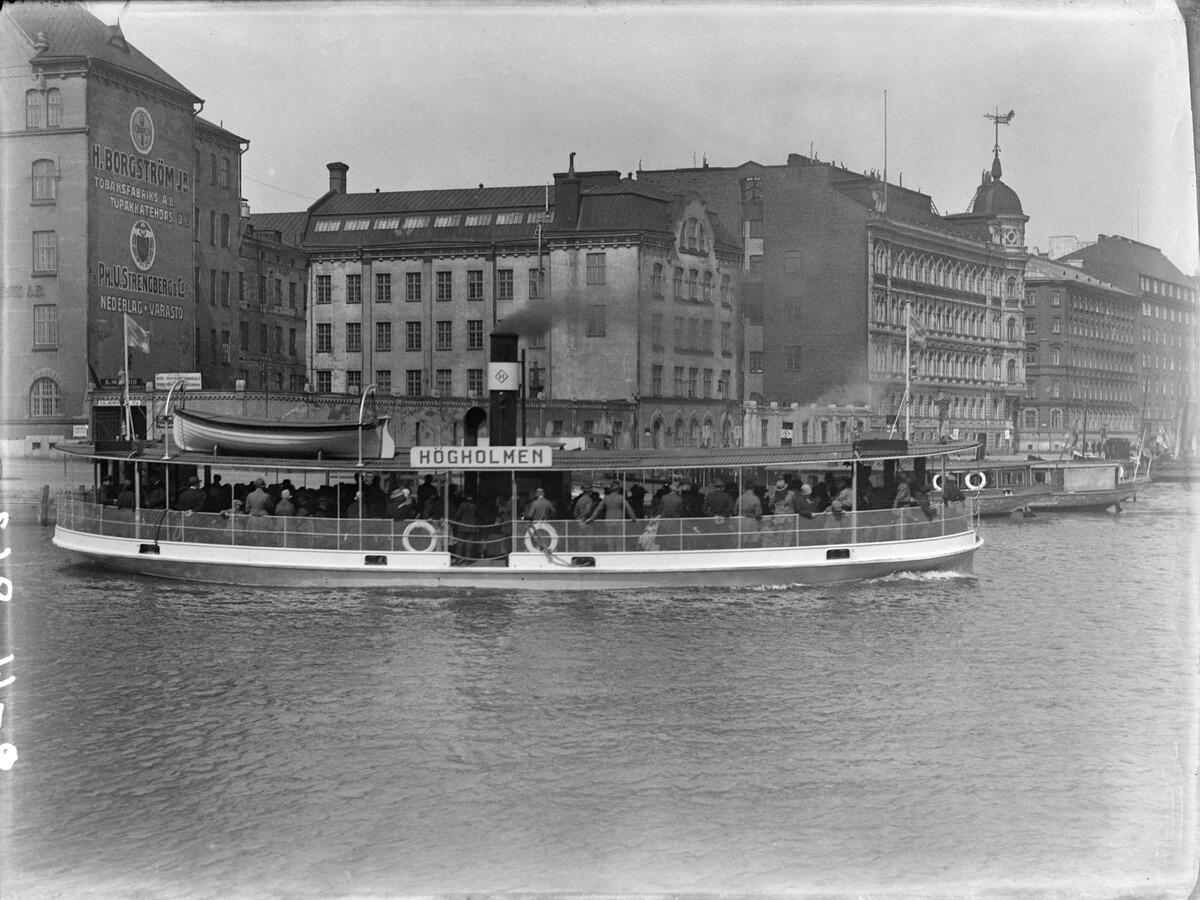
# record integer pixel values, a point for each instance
(557, 536)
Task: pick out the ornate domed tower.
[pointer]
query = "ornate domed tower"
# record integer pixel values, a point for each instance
(1001, 206)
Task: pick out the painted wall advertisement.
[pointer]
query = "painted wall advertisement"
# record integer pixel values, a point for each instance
(140, 187)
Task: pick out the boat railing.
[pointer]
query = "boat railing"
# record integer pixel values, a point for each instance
(556, 536)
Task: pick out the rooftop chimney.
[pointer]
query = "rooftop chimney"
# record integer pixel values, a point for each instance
(566, 197)
(337, 177)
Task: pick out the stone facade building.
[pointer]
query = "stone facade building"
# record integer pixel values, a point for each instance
(832, 261)
(1167, 331)
(1081, 367)
(272, 304)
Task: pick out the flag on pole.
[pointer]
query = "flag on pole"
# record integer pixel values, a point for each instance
(135, 335)
(918, 331)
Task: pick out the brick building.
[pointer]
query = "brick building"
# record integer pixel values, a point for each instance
(1081, 365)
(624, 299)
(272, 303)
(831, 260)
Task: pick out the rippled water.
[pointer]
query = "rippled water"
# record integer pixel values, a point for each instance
(1029, 731)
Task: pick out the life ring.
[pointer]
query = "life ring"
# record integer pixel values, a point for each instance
(419, 526)
(976, 481)
(937, 482)
(541, 528)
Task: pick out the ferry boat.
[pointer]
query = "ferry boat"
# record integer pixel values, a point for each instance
(1082, 484)
(1001, 487)
(447, 547)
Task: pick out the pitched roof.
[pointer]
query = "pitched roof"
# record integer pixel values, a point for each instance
(1039, 268)
(432, 201)
(1116, 252)
(73, 32)
(290, 225)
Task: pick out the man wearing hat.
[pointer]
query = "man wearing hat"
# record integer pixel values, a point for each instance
(285, 506)
(258, 501)
(802, 501)
(779, 496)
(400, 504)
(191, 498)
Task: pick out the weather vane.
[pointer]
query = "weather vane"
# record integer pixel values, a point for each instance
(998, 120)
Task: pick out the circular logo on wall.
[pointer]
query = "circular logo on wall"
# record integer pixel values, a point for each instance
(141, 130)
(142, 244)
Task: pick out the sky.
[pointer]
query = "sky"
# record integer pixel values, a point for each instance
(415, 96)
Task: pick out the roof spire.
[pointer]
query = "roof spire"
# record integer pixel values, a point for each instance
(998, 120)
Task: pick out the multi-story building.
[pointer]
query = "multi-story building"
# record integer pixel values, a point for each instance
(1168, 379)
(1081, 362)
(833, 261)
(624, 299)
(119, 202)
(272, 303)
(216, 230)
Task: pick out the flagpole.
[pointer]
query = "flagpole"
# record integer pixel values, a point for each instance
(125, 346)
(907, 366)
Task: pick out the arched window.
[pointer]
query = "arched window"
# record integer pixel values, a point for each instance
(45, 181)
(45, 398)
(1012, 371)
(680, 434)
(34, 108)
(693, 433)
(1011, 330)
(54, 115)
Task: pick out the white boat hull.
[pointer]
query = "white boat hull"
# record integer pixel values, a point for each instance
(354, 568)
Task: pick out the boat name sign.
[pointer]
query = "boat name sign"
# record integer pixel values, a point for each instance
(480, 457)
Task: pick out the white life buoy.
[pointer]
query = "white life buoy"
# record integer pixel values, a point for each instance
(541, 528)
(419, 526)
(976, 481)
(937, 482)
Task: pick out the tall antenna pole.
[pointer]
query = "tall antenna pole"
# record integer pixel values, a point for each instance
(885, 152)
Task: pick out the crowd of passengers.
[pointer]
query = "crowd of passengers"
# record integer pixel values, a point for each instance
(395, 498)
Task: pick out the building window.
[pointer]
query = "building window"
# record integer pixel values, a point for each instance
(212, 287)
(693, 284)
(678, 333)
(412, 287)
(708, 384)
(324, 381)
(45, 398)
(595, 268)
(1031, 354)
(354, 337)
(474, 334)
(1056, 326)
(244, 334)
(504, 284)
(726, 291)
(693, 334)
(656, 334)
(383, 381)
(45, 181)
(383, 336)
(262, 337)
(224, 229)
(707, 288)
(212, 227)
(656, 280)
(536, 277)
(756, 362)
(225, 289)
(324, 337)
(677, 284)
(596, 320)
(54, 114)
(354, 288)
(693, 374)
(680, 382)
(196, 279)
(1056, 389)
(383, 287)
(445, 285)
(45, 252)
(443, 383)
(475, 382)
(706, 335)
(723, 384)
(45, 325)
(1056, 298)
(292, 294)
(475, 284)
(354, 383)
(726, 337)
(1056, 356)
(324, 289)
(412, 382)
(224, 171)
(656, 381)
(792, 363)
(412, 335)
(444, 339)
(292, 341)
(34, 109)
(537, 341)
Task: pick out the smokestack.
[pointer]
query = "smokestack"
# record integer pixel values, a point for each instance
(337, 177)
(566, 197)
(504, 379)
